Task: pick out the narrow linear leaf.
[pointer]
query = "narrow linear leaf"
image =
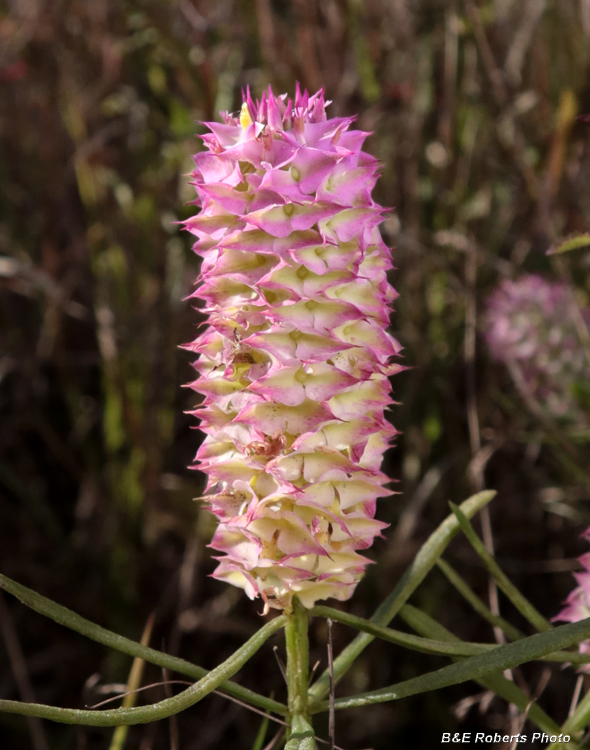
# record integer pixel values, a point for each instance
(463, 588)
(407, 640)
(497, 683)
(442, 644)
(522, 604)
(501, 658)
(571, 243)
(73, 621)
(133, 683)
(424, 561)
(163, 709)
(259, 741)
(424, 624)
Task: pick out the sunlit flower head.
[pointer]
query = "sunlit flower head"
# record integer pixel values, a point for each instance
(295, 360)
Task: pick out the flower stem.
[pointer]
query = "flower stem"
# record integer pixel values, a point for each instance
(297, 643)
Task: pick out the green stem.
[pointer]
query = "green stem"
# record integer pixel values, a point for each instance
(297, 644)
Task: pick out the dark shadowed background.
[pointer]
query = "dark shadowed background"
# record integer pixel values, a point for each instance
(473, 110)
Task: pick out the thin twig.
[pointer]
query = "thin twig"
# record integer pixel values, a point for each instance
(315, 666)
(448, 107)
(461, 709)
(518, 726)
(134, 680)
(186, 587)
(276, 739)
(185, 682)
(576, 695)
(20, 672)
(479, 456)
(473, 418)
(122, 694)
(280, 663)
(521, 41)
(469, 354)
(494, 73)
(174, 735)
(198, 22)
(252, 708)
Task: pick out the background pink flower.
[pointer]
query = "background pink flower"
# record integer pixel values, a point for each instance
(530, 322)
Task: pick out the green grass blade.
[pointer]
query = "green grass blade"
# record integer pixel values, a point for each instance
(463, 588)
(407, 640)
(162, 710)
(497, 683)
(424, 624)
(424, 561)
(475, 667)
(259, 741)
(71, 620)
(442, 643)
(522, 604)
(133, 684)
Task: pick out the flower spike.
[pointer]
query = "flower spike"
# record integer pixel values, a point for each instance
(295, 361)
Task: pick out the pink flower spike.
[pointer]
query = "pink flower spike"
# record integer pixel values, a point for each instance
(294, 362)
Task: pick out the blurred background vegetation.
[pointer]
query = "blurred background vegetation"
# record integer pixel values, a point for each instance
(473, 109)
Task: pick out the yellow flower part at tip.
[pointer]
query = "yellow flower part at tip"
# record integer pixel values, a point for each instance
(245, 118)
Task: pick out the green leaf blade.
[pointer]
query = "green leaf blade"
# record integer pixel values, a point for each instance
(69, 619)
(526, 609)
(495, 661)
(162, 710)
(571, 243)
